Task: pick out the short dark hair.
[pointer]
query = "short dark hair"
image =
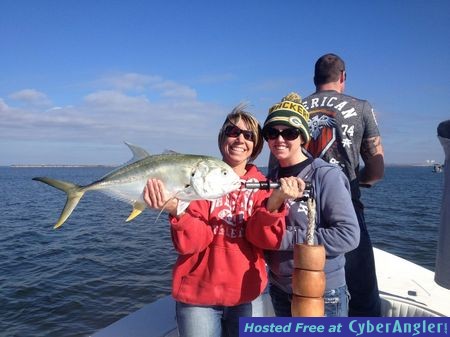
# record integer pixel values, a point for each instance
(328, 68)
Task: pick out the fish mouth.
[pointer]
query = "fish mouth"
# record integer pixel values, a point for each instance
(237, 183)
(241, 183)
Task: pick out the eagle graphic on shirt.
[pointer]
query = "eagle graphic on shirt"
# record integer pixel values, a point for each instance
(323, 133)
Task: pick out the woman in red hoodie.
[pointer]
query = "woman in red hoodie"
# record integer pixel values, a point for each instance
(220, 268)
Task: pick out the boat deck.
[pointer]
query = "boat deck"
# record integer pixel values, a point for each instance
(406, 289)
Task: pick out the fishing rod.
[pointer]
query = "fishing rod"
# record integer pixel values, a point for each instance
(270, 185)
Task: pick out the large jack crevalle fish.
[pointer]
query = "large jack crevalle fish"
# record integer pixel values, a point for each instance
(186, 177)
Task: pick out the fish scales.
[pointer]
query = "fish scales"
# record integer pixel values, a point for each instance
(186, 177)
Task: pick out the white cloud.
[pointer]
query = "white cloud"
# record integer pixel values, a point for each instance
(115, 100)
(163, 115)
(3, 106)
(132, 82)
(174, 90)
(31, 96)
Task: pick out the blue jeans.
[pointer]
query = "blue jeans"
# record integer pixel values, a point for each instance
(210, 321)
(336, 302)
(360, 274)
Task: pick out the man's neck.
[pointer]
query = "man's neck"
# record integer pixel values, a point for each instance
(330, 86)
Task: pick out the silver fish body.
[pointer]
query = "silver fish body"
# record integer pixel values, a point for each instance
(185, 177)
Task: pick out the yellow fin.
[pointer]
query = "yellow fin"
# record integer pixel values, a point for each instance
(137, 209)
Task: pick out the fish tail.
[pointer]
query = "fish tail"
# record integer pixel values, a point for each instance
(74, 194)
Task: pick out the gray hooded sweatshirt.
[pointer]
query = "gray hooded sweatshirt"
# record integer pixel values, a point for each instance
(336, 225)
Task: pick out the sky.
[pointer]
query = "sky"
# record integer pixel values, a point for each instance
(80, 77)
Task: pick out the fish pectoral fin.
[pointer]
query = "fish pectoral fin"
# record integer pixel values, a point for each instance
(137, 209)
(182, 205)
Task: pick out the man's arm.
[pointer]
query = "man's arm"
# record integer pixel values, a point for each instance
(373, 157)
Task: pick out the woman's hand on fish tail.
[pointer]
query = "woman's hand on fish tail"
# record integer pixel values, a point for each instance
(155, 197)
(290, 188)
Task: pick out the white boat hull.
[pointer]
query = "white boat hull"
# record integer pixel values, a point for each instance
(409, 290)
(406, 289)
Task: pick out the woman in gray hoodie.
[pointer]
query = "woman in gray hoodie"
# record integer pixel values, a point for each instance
(286, 131)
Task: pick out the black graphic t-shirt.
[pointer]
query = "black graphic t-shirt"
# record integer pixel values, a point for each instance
(338, 123)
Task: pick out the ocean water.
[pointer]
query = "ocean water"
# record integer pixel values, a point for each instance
(96, 268)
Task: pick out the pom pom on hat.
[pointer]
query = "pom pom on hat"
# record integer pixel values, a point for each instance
(290, 112)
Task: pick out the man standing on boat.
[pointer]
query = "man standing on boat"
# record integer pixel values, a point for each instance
(343, 128)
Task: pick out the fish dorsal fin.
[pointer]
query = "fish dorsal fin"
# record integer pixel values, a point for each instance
(138, 152)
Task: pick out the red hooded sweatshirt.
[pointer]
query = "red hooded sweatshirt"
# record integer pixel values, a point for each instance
(220, 245)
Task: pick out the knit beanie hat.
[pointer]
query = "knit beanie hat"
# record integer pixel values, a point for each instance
(290, 112)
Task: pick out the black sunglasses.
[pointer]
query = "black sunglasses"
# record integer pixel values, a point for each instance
(234, 131)
(287, 134)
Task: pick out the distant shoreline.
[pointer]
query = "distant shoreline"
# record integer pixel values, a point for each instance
(57, 165)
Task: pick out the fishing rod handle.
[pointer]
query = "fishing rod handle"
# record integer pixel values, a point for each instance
(262, 185)
(267, 185)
